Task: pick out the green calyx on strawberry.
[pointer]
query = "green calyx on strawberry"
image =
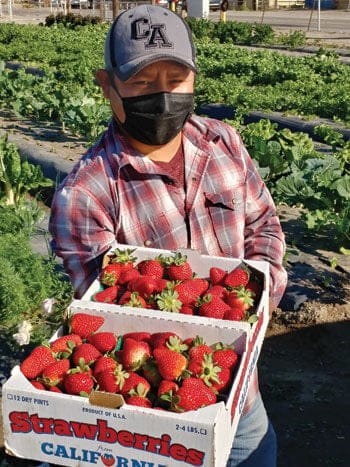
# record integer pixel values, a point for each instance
(240, 297)
(123, 257)
(109, 275)
(178, 268)
(168, 300)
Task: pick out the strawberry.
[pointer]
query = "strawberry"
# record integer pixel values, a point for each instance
(199, 349)
(104, 341)
(139, 401)
(240, 297)
(256, 290)
(212, 306)
(152, 268)
(178, 268)
(84, 324)
(109, 275)
(171, 364)
(166, 389)
(55, 389)
(221, 382)
(132, 299)
(107, 295)
(159, 339)
(237, 277)
(218, 290)
(187, 310)
(64, 345)
(111, 380)
(134, 354)
(192, 395)
(54, 373)
(85, 354)
(216, 275)
(225, 356)
(139, 336)
(38, 385)
(144, 285)
(205, 369)
(127, 275)
(123, 257)
(190, 290)
(80, 384)
(104, 363)
(234, 314)
(135, 384)
(39, 358)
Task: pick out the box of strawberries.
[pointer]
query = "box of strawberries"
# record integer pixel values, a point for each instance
(183, 282)
(125, 386)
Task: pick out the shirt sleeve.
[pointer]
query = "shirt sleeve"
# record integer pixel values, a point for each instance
(82, 231)
(264, 238)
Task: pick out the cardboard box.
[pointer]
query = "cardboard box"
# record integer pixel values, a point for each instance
(201, 265)
(74, 431)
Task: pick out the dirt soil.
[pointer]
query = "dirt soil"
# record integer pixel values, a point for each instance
(305, 361)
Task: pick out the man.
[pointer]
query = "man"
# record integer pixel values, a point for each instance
(162, 177)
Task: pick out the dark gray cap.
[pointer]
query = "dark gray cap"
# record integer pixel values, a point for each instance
(144, 35)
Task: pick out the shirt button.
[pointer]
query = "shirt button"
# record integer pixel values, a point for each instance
(148, 242)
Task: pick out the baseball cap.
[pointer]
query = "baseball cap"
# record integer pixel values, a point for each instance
(146, 34)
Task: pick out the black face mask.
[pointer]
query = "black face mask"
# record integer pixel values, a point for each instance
(155, 119)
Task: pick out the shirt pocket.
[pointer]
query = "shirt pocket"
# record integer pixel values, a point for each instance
(159, 230)
(227, 214)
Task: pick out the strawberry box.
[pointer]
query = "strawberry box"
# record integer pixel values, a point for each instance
(201, 267)
(101, 430)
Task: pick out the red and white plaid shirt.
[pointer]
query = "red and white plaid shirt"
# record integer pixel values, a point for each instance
(117, 194)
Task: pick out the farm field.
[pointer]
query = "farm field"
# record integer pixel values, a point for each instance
(304, 363)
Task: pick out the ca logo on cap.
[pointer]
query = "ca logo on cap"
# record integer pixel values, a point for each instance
(153, 34)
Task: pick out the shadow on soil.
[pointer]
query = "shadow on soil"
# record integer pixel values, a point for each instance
(305, 383)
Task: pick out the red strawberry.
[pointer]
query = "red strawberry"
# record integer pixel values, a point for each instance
(190, 290)
(107, 459)
(225, 356)
(104, 341)
(80, 384)
(139, 401)
(178, 268)
(111, 380)
(159, 339)
(187, 310)
(192, 395)
(239, 297)
(55, 389)
(144, 285)
(39, 358)
(107, 295)
(127, 275)
(218, 290)
(151, 373)
(135, 384)
(166, 389)
(199, 349)
(139, 336)
(152, 268)
(104, 363)
(84, 324)
(222, 381)
(234, 314)
(216, 275)
(85, 354)
(171, 364)
(109, 275)
(123, 257)
(212, 306)
(54, 373)
(256, 289)
(64, 345)
(38, 385)
(236, 278)
(134, 354)
(133, 299)
(205, 369)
